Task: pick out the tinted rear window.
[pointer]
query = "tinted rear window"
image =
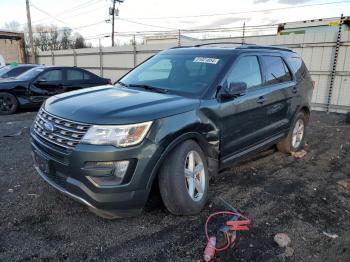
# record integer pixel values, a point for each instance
(298, 67)
(73, 74)
(276, 70)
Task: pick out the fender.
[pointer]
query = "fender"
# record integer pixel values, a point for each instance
(212, 160)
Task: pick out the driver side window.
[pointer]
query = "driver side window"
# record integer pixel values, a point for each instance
(52, 75)
(246, 70)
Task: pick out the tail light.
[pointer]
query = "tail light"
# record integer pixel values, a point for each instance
(109, 81)
(313, 84)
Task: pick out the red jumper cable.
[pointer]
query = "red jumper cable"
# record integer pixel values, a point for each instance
(235, 222)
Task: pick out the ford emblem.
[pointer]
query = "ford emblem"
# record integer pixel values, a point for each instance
(49, 127)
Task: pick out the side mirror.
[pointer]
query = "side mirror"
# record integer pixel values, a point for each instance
(234, 89)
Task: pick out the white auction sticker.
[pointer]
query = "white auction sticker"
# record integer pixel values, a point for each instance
(207, 60)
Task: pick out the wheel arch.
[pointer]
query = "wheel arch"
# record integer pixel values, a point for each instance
(306, 110)
(211, 156)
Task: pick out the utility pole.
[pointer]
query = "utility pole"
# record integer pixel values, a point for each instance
(29, 22)
(113, 10)
(114, 13)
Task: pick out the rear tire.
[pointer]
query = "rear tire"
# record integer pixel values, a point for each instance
(295, 139)
(183, 179)
(8, 104)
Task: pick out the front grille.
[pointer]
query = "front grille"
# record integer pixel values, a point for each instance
(65, 133)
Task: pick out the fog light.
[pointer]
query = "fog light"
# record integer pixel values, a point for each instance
(107, 173)
(120, 168)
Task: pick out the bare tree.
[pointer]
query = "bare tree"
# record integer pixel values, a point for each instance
(49, 37)
(12, 26)
(53, 35)
(41, 39)
(79, 42)
(66, 39)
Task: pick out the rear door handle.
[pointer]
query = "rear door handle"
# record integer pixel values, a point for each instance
(294, 89)
(261, 100)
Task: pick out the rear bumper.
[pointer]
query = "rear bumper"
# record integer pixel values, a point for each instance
(68, 175)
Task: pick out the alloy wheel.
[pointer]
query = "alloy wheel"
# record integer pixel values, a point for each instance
(6, 103)
(298, 133)
(195, 176)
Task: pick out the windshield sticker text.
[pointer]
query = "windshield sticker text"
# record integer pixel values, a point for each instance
(207, 60)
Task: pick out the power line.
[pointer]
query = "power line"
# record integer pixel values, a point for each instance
(72, 28)
(70, 10)
(48, 14)
(138, 23)
(237, 12)
(238, 29)
(83, 13)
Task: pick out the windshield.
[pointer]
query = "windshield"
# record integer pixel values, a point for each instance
(30, 74)
(182, 74)
(4, 70)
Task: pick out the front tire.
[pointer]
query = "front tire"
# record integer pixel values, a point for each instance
(183, 179)
(295, 139)
(8, 104)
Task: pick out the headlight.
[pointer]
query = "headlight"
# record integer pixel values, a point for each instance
(119, 136)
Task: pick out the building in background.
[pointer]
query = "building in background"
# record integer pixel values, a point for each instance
(12, 46)
(313, 26)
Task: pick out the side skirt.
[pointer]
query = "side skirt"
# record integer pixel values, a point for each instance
(236, 157)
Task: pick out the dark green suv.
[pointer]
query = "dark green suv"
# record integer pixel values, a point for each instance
(176, 119)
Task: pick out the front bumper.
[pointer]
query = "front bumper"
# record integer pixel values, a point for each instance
(67, 175)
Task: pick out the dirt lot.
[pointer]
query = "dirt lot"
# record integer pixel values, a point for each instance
(279, 193)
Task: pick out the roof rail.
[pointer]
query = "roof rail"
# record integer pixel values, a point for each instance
(182, 46)
(222, 43)
(272, 47)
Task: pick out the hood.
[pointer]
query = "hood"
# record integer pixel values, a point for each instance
(109, 105)
(10, 83)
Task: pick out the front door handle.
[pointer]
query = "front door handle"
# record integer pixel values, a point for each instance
(261, 100)
(294, 89)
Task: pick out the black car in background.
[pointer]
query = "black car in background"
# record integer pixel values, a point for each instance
(31, 88)
(15, 70)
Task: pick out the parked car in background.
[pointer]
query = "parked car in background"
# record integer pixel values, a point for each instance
(15, 70)
(33, 87)
(175, 120)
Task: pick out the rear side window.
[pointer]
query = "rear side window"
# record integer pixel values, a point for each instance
(276, 70)
(88, 76)
(74, 74)
(247, 70)
(298, 67)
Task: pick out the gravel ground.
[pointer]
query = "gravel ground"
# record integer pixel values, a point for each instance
(279, 193)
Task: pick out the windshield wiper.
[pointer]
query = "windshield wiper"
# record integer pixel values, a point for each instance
(121, 83)
(151, 88)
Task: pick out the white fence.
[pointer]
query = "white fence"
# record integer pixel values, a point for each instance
(316, 49)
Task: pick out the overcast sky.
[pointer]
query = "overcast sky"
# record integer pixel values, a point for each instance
(88, 16)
